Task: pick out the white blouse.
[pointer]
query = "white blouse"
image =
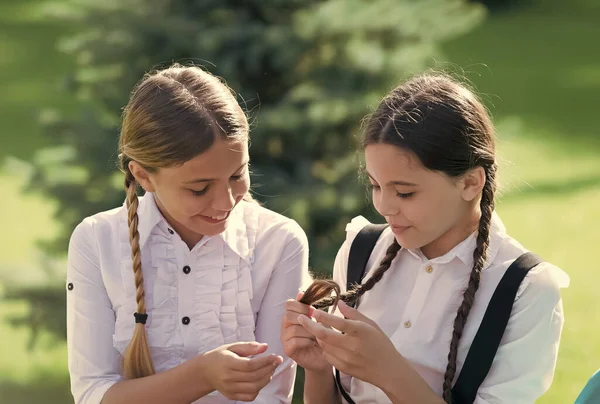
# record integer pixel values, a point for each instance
(230, 287)
(416, 302)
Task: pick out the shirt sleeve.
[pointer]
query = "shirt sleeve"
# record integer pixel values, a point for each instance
(288, 277)
(92, 360)
(524, 365)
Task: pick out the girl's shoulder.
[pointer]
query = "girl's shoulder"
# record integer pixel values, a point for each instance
(97, 224)
(270, 227)
(357, 224)
(352, 229)
(543, 282)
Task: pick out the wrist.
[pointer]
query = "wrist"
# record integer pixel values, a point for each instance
(402, 384)
(199, 375)
(319, 386)
(390, 375)
(320, 371)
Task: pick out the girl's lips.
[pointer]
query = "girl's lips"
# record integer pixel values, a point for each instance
(213, 220)
(399, 229)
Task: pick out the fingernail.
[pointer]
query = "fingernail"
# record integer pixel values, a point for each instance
(342, 303)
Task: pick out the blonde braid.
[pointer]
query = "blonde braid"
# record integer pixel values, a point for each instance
(137, 361)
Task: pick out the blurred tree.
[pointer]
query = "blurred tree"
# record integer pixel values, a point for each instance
(306, 71)
(505, 5)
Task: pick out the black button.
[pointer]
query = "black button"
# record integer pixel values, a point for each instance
(185, 320)
(70, 286)
(186, 269)
(171, 231)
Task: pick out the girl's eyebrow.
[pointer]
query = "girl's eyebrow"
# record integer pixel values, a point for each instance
(395, 182)
(197, 180)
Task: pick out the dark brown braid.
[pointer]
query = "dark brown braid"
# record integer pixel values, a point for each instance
(319, 292)
(479, 257)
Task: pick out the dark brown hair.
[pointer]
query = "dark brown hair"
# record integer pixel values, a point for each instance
(172, 116)
(446, 126)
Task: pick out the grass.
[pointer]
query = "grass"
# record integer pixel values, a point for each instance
(29, 218)
(539, 72)
(540, 76)
(30, 376)
(550, 216)
(29, 66)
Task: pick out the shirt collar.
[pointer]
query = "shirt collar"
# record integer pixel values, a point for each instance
(240, 233)
(236, 235)
(148, 216)
(464, 250)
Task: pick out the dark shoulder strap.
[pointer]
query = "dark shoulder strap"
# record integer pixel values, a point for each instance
(338, 383)
(360, 251)
(487, 340)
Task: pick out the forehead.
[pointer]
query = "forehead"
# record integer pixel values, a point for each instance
(387, 163)
(221, 160)
(386, 160)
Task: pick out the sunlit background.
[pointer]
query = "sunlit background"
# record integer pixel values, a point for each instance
(306, 72)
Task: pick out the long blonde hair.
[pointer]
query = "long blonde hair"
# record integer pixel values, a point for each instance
(172, 116)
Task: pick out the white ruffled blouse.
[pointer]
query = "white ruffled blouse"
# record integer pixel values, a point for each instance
(230, 287)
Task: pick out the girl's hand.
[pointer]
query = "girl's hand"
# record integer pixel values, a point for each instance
(230, 370)
(362, 351)
(298, 343)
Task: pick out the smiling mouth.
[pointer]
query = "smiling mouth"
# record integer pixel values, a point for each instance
(215, 219)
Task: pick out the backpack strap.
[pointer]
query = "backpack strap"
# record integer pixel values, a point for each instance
(358, 257)
(360, 251)
(487, 340)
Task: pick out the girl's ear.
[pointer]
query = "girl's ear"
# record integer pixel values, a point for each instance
(472, 183)
(141, 175)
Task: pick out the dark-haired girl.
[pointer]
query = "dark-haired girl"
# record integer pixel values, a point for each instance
(430, 279)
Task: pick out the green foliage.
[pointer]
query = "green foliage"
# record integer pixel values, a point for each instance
(305, 71)
(45, 314)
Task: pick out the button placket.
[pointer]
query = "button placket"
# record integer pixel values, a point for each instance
(185, 296)
(418, 297)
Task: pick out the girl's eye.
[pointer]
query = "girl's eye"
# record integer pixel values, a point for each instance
(373, 187)
(199, 193)
(401, 195)
(241, 175)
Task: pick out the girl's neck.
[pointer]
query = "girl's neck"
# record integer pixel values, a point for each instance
(453, 237)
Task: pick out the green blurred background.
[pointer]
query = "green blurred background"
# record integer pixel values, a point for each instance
(306, 71)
